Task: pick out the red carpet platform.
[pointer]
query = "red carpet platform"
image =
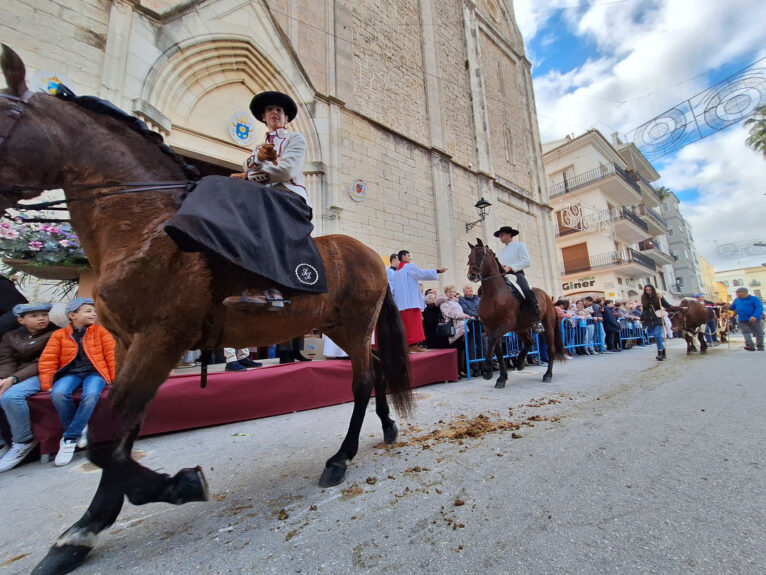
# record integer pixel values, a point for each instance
(237, 396)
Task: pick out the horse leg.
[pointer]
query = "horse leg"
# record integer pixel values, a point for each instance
(500, 383)
(520, 361)
(550, 340)
(390, 431)
(364, 378)
(703, 343)
(486, 371)
(121, 475)
(689, 344)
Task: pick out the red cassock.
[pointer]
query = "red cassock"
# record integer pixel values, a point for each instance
(413, 325)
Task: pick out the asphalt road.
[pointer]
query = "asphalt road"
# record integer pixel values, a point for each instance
(631, 466)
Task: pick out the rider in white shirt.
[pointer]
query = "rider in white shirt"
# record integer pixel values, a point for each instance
(514, 258)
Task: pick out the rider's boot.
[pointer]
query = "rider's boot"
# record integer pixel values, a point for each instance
(537, 326)
(271, 297)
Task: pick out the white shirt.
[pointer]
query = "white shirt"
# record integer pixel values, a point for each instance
(514, 255)
(405, 286)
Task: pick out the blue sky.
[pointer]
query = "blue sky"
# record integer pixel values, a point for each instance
(612, 65)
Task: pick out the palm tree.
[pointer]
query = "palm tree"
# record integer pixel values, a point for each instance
(663, 192)
(757, 127)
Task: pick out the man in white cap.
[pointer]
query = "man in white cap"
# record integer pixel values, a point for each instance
(514, 258)
(20, 351)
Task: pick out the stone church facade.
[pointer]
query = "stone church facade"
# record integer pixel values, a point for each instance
(412, 110)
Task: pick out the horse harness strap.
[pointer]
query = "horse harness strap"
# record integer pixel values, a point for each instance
(13, 114)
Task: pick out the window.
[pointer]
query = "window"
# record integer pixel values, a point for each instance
(680, 282)
(737, 283)
(670, 232)
(508, 144)
(726, 283)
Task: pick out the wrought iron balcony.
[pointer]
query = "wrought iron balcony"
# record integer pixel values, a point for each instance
(630, 258)
(652, 250)
(623, 213)
(590, 177)
(646, 211)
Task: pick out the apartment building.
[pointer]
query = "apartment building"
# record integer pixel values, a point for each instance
(753, 278)
(611, 240)
(687, 280)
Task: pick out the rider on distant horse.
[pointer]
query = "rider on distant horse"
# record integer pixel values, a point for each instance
(514, 257)
(277, 163)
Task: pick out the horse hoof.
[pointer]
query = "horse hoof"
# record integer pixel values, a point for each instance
(190, 485)
(62, 559)
(500, 384)
(390, 434)
(333, 474)
(547, 378)
(486, 375)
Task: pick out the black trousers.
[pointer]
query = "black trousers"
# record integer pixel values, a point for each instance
(529, 295)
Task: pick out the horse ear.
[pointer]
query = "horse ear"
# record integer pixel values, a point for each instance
(14, 72)
(470, 245)
(479, 242)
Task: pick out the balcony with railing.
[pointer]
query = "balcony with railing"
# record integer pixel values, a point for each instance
(628, 226)
(650, 194)
(657, 225)
(627, 261)
(651, 249)
(611, 179)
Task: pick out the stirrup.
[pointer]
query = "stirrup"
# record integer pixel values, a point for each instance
(538, 327)
(269, 297)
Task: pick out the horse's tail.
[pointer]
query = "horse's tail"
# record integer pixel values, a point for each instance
(394, 355)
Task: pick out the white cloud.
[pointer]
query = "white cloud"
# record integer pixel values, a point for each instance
(654, 54)
(731, 206)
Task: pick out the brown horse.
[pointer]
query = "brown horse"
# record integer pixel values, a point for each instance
(500, 311)
(690, 318)
(158, 301)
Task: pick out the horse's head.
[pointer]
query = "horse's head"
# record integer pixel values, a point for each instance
(482, 262)
(27, 147)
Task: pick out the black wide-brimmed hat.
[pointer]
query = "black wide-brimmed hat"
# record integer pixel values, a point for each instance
(507, 230)
(260, 101)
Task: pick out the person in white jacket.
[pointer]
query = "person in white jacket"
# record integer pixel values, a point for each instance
(514, 258)
(408, 298)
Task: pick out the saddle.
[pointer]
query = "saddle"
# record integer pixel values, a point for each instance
(510, 281)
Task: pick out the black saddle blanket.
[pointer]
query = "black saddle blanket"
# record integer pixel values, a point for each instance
(264, 230)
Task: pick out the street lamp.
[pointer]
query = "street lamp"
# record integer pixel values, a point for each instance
(482, 208)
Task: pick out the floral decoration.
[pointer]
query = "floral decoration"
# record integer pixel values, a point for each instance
(40, 243)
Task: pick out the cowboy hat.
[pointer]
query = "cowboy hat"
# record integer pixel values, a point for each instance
(260, 101)
(506, 230)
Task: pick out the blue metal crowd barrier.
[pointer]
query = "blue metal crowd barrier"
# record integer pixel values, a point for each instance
(474, 344)
(581, 333)
(631, 330)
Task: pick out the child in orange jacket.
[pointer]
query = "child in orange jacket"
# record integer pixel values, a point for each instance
(81, 354)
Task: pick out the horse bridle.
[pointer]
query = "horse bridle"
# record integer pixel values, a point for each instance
(8, 121)
(483, 257)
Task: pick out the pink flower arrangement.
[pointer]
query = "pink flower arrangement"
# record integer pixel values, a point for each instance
(45, 244)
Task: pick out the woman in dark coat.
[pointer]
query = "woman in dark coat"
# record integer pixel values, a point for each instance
(652, 317)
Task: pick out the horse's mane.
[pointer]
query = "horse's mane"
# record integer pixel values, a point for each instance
(106, 108)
